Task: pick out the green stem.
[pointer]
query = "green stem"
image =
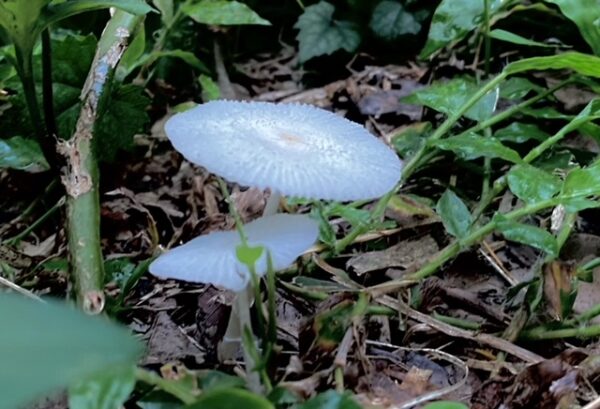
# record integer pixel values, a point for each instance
(47, 94)
(541, 333)
(82, 177)
(180, 392)
(15, 239)
(487, 39)
(25, 71)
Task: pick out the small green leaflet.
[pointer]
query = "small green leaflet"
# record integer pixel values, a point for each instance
(223, 13)
(390, 20)
(527, 234)
(210, 89)
(321, 34)
(531, 184)
(23, 154)
(249, 255)
(583, 182)
(454, 213)
(519, 132)
(471, 146)
(509, 37)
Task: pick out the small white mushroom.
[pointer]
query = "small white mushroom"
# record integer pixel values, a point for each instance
(211, 258)
(298, 150)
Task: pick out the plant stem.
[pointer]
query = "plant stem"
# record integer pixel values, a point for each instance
(82, 176)
(487, 38)
(15, 239)
(47, 92)
(170, 387)
(541, 333)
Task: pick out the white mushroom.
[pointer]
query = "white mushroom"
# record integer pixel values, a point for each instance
(298, 150)
(211, 258)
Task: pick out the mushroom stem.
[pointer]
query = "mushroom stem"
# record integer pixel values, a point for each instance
(272, 203)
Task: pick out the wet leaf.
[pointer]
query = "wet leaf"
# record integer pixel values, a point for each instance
(471, 146)
(454, 213)
(106, 390)
(230, 398)
(452, 21)
(519, 132)
(586, 14)
(321, 34)
(507, 36)
(390, 20)
(21, 153)
(583, 182)
(447, 97)
(527, 234)
(223, 13)
(531, 184)
(330, 400)
(47, 346)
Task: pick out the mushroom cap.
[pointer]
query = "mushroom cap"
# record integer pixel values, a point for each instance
(211, 258)
(299, 150)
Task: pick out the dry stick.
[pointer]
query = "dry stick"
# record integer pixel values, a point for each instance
(82, 176)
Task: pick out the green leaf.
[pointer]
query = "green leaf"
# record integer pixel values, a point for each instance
(452, 21)
(321, 34)
(133, 54)
(21, 20)
(445, 405)
(186, 56)
(123, 116)
(249, 255)
(449, 96)
(411, 138)
(45, 346)
(518, 87)
(223, 13)
(509, 37)
(471, 146)
(166, 9)
(586, 14)
(519, 132)
(584, 64)
(454, 213)
(531, 184)
(583, 182)
(21, 153)
(210, 89)
(390, 20)
(230, 398)
(70, 8)
(330, 400)
(527, 234)
(107, 390)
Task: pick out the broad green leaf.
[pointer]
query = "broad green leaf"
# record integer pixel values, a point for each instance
(518, 87)
(579, 203)
(249, 255)
(21, 153)
(321, 34)
(230, 398)
(586, 14)
(454, 213)
(471, 146)
(519, 132)
(452, 21)
(445, 405)
(583, 182)
(390, 20)
(217, 379)
(503, 35)
(584, 64)
(210, 89)
(108, 389)
(186, 56)
(330, 400)
(527, 234)
(44, 346)
(531, 184)
(21, 20)
(223, 13)
(449, 96)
